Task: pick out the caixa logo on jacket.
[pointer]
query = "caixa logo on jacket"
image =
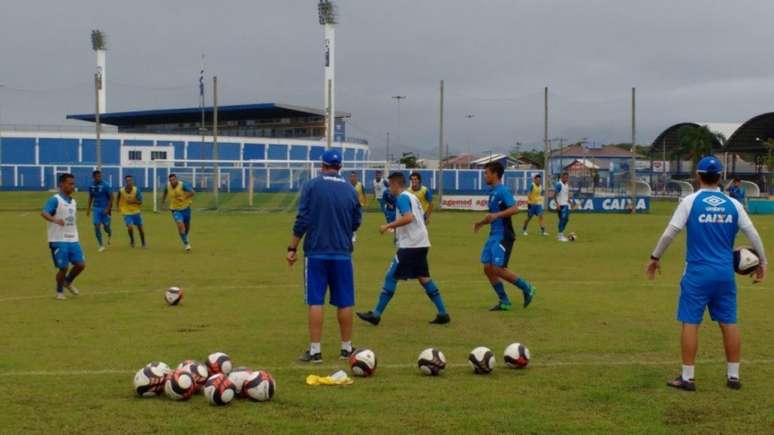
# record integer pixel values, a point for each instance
(714, 213)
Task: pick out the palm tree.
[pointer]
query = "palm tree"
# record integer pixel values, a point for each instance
(694, 143)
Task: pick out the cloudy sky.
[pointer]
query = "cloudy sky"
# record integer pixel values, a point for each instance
(690, 60)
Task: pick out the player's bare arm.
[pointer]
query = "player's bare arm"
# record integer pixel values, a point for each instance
(88, 206)
(292, 255)
(52, 219)
(401, 221)
(110, 204)
(491, 217)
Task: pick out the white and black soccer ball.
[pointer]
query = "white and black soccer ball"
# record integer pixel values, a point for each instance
(219, 390)
(219, 362)
(180, 385)
(572, 237)
(482, 360)
(238, 376)
(746, 261)
(362, 362)
(259, 386)
(516, 356)
(149, 380)
(431, 362)
(197, 370)
(173, 295)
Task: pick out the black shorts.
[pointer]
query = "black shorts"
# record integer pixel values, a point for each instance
(412, 263)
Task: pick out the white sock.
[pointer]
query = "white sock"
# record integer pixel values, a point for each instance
(314, 348)
(733, 370)
(346, 345)
(687, 373)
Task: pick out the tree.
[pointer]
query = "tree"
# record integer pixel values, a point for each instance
(693, 143)
(409, 160)
(535, 156)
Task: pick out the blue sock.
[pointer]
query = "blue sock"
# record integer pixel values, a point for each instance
(523, 285)
(59, 289)
(562, 224)
(500, 290)
(435, 295)
(108, 230)
(98, 233)
(388, 290)
(184, 238)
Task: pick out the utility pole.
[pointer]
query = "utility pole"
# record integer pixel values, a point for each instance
(329, 117)
(215, 154)
(397, 99)
(99, 45)
(467, 133)
(632, 167)
(546, 148)
(387, 154)
(98, 124)
(202, 128)
(1, 141)
(326, 11)
(440, 147)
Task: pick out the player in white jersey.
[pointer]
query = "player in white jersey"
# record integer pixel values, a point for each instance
(563, 204)
(380, 186)
(410, 262)
(60, 212)
(712, 221)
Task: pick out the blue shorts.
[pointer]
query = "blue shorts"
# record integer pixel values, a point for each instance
(64, 253)
(183, 215)
(133, 219)
(534, 210)
(336, 274)
(696, 296)
(99, 216)
(497, 251)
(564, 212)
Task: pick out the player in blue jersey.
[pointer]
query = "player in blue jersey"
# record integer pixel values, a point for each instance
(736, 190)
(328, 214)
(60, 213)
(712, 221)
(497, 250)
(100, 206)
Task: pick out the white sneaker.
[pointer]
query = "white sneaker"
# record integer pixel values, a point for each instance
(61, 297)
(525, 233)
(188, 248)
(354, 238)
(101, 249)
(545, 233)
(71, 288)
(562, 238)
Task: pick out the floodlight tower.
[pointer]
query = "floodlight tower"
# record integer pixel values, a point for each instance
(99, 44)
(327, 14)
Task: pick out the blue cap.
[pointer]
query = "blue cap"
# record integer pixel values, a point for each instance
(332, 158)
(709, 165)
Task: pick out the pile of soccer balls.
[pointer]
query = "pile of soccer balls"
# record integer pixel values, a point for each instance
(431, 361)
(218, 379)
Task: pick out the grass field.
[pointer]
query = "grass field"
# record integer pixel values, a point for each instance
(603, 339)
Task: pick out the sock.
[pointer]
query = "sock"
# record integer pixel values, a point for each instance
(184, 238)
(142, 238)
(687, 372)
(131, 236)
(435, 295)
(70, 278)
(59, 289)
(388, 289)
(543, 230)
(98, 233)
(733, 370)
(108, 230)
(501, 294)
(314, 348)
(523, 285)
(346, 345)
(524, 228)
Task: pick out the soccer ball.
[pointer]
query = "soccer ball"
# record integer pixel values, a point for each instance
(516, 356)
(746, 261)
(219, 390)
(219, 362)
(149, 380)
(363, 362)
(482, 360)
(197, 370)
(572, 237)
(173, 295)
(431, 362)
(238, 376)
(180, 385)
(259, 386)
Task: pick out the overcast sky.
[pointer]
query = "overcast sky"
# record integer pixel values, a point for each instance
(691, 60)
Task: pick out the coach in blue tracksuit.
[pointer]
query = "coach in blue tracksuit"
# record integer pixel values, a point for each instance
(712, 221)
(328, 215)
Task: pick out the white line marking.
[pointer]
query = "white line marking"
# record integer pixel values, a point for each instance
(324, 368)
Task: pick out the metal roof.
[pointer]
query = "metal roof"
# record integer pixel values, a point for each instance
(193, 114)
(740, 137)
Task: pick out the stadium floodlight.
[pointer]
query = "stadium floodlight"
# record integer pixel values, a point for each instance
(327, 13)
(98, 40)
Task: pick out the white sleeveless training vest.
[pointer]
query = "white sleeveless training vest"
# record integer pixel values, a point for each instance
(67, 212)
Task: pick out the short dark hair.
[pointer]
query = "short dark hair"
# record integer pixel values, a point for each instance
(398, 177)
(495, 167)
(565, 173)
(172, 175)
(709, 177)
(416, 174)
(64, 177)
(537, 176)
(737, 179)
(127, 176)
(96, 172)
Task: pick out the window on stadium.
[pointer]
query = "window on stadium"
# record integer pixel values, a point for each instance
(135, 155)
(158, 155)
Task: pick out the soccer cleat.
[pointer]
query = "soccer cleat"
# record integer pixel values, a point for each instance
(370, 317)
(101, 249)
(308, 357)
(529, 294)
(131, 244)
(524, 233)
(109, 240)
(682, 384)
(734, 383)
(72, 289)
(188, 248)
(544, 233)
(562, 238)
(501, 306)
(61, 297)
(345, 354)
(441, 319)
